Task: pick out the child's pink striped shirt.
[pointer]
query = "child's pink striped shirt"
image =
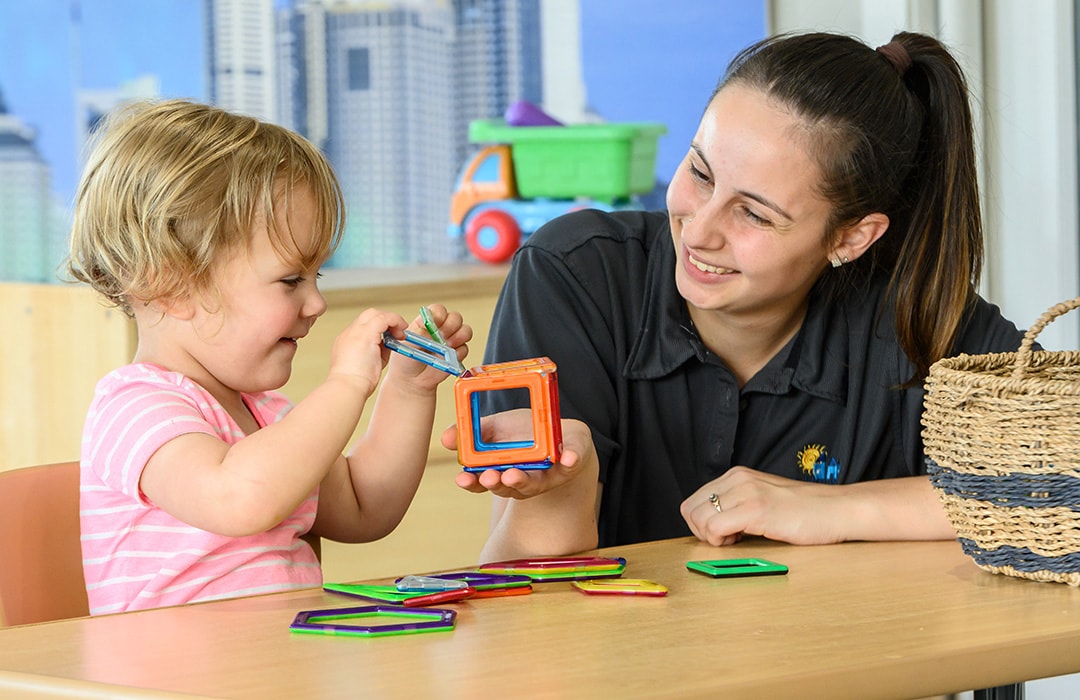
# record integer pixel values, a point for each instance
(135, 555)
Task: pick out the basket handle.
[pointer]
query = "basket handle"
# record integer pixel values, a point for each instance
(1023, 355)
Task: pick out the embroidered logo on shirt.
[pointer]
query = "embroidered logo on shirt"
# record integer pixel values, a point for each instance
(816, 464)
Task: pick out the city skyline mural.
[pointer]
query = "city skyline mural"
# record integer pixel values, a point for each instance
(386, 89)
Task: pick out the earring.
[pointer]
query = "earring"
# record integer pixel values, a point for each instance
(837, 262)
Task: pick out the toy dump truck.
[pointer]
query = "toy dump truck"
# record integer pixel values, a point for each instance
(528, 175)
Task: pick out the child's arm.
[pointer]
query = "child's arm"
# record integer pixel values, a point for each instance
(250, 486)
(365, 496)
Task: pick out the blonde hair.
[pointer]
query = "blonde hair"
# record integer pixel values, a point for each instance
(172, 188)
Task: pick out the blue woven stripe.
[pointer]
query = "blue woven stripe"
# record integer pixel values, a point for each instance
(1011, 490)
(1021, 558)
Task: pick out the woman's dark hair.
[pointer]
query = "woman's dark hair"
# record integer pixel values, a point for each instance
(891, 132)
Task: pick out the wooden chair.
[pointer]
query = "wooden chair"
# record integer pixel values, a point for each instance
(41, 575)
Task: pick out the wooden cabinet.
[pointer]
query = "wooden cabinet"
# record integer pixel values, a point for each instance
(60, 341)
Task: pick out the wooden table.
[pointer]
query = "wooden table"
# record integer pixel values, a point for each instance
(867, 620)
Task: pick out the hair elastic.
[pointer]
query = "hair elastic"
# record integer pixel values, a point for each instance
(898, 56)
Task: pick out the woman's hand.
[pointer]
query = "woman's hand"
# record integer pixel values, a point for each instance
(799, 512)
(524, 483)
(543, 512)
(755, 503)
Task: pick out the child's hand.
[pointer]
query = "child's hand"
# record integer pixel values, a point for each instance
(358, 354)
(454, 332)
(508, 426)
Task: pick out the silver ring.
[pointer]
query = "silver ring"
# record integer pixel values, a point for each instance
(715, 501)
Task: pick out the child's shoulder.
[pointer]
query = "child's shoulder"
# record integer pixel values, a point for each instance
(143, 373)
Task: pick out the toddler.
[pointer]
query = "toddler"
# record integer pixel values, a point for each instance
(199, 480)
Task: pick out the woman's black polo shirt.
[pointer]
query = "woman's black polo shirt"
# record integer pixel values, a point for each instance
(596, 293)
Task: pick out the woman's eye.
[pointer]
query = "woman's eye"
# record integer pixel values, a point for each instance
(697, 174)
(760, 221)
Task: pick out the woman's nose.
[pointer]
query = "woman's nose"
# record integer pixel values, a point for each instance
(703, 228)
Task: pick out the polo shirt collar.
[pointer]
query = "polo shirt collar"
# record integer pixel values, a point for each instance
(666, 338)
(823, 361)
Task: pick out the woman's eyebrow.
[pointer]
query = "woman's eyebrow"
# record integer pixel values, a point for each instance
(701, 154)
(764, 201)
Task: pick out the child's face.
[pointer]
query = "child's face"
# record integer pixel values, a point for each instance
(266, 304)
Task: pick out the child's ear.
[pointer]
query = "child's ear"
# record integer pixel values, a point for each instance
(182, 307)
(857, 239)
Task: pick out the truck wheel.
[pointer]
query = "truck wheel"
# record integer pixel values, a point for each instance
(493, 236)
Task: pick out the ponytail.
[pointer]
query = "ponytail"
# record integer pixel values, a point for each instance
(939, 260)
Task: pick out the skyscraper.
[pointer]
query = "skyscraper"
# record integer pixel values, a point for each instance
(497, 60)
(240, 56)
(27, 241)
(390, 128)
(562, 73)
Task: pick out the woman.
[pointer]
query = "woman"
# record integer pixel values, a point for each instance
(750, 361)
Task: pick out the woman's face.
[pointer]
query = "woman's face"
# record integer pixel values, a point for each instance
(747, 221)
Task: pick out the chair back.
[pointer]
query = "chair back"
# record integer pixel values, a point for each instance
(41, 575)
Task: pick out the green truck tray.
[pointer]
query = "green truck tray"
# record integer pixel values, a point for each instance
(603, 161)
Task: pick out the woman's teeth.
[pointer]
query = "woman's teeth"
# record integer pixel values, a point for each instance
(704, 267)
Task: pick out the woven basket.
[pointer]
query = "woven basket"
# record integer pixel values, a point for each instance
(1001, 434)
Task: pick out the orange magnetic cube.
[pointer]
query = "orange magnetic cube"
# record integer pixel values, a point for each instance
(537, 375)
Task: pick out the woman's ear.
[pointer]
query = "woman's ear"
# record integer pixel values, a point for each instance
(857, 239)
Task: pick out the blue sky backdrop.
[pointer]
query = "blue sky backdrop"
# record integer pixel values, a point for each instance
(43, 62)
(643, 60)
(659, 60)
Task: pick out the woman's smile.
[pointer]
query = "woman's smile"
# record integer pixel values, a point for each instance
(706, 267)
